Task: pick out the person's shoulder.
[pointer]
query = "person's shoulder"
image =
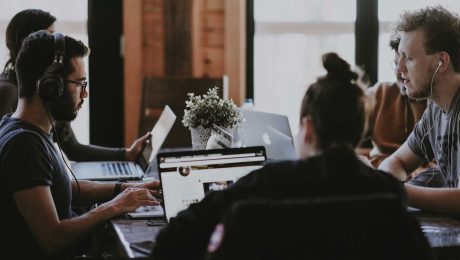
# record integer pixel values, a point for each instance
(23, 137)
(271, 171)
(280, 166)
(7, 87)
(6, 82)
(381, 87)
(12, 128)
(22, 143)
(384, 177)
(381, 181)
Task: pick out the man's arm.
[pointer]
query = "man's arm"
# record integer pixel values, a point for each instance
(36, 205)
(401, 163)
(404, 161)
(76, 151)
(95, 192)
(445, 200)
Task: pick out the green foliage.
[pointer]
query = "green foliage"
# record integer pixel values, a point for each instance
(208, 109)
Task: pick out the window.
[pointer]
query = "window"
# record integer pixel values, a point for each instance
(290, 37)
(389, 11)
(71, 20)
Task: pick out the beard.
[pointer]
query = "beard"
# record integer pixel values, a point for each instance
(419, 95)
(64, 109)
(422, 93)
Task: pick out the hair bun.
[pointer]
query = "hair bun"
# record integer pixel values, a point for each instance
(337, 68)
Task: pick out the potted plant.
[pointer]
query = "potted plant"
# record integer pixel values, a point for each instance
(201, 112)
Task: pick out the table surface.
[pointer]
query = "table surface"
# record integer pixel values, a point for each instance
(442, 232)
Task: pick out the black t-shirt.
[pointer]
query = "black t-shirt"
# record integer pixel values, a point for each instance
(72, 148)
(28, 158)
(335, 172)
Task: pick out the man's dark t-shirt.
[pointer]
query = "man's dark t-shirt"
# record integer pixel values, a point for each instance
(28, 158)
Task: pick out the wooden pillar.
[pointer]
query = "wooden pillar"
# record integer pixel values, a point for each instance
(235, 48)
(132, 31)
(178, 37)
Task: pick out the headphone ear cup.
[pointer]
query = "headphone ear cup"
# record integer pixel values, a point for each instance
(51, 84)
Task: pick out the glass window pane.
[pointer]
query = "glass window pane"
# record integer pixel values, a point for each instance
(386, 55)
(389, 10)
(302, 10)
(287, 56)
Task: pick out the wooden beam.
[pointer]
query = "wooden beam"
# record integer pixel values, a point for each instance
(235, 48)
(132, 31)
(178, 37)
(197, 43)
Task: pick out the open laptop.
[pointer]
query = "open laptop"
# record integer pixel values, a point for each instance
(125, 170)
(187, 176)
(270, 130)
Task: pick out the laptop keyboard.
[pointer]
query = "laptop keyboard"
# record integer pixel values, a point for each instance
(139, 231)
(116, 169)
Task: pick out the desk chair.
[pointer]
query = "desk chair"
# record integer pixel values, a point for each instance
(374, 227)
(172, 91)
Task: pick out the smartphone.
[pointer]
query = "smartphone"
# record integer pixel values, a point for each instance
(144, 156)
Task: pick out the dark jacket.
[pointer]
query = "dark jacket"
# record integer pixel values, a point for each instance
(335, 172)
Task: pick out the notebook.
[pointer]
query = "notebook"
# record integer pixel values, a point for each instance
(270, 130)
(124, 170)
(187, 176)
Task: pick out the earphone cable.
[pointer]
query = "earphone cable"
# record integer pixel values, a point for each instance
(53, 128)
(422, 146)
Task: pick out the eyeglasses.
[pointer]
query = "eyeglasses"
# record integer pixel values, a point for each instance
(82, 83)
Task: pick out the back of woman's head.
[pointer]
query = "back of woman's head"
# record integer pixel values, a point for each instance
(20, 26)
(336, 104)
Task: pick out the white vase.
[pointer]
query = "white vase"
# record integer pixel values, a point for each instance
(200, 136)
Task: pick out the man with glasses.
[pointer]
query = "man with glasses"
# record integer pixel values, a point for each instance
(22, 24)
(37, 221)
(83, 84)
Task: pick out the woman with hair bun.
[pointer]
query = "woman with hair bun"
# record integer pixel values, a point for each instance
(333, 117)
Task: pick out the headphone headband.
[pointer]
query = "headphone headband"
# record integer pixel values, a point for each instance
(59, 47)
(51, 83)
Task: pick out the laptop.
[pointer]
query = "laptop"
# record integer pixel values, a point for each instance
(270, 130)
(187, 176)
(125, 170)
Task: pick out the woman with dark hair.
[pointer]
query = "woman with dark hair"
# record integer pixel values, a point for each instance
(333, 119)
(20, 26)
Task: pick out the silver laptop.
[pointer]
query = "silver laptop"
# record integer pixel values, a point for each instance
(270, 130)
(124, 170)
(187, 176)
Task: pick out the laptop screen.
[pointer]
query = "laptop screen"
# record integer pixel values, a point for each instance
(270, 130)
(186, 177)
(159, 133)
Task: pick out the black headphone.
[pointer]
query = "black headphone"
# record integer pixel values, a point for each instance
(51, 84)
